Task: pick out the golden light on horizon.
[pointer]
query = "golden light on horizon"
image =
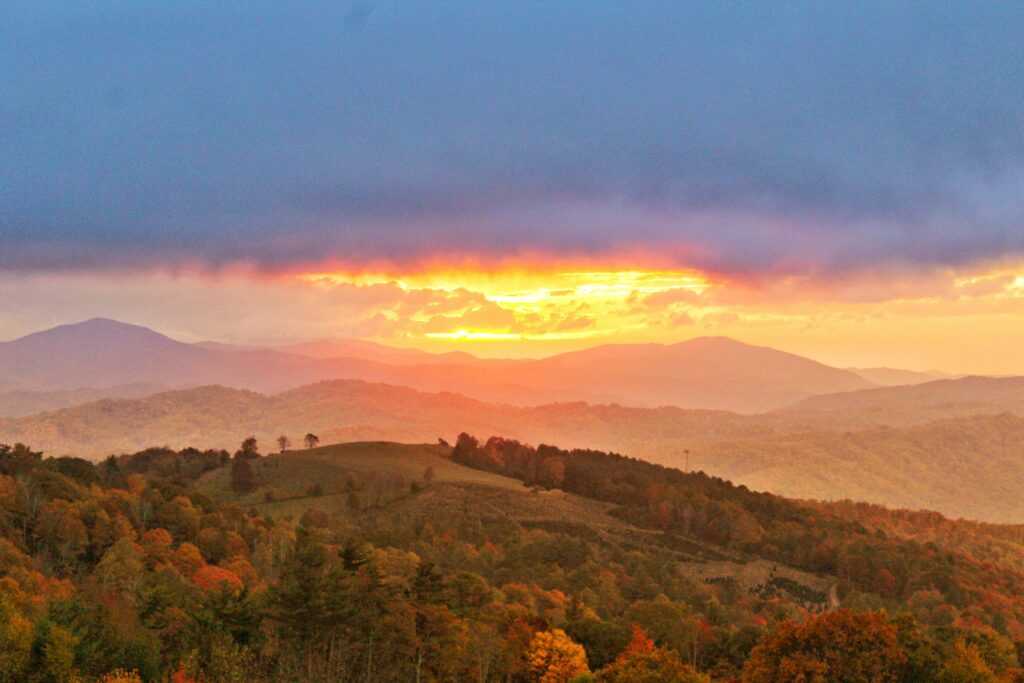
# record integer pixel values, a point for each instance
(545, 304)
(537, 308)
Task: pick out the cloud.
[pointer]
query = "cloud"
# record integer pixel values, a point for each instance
(740, 139)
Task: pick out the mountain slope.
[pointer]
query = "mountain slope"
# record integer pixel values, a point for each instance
(968, 466)
(894, 377)
(716, 373)
(17, 403)
(965, 467)
(353, 410)
(707, 372)
(909, 405)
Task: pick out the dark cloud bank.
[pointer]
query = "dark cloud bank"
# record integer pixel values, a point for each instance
(738, 136)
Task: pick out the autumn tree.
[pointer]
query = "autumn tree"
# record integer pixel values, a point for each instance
(243, 479)
(670, 624)
(18, 459)
(249, 450)
(553, 657)
(16, 636)
(58, 655)
(121, 567)
(642, 662)
(837, 647)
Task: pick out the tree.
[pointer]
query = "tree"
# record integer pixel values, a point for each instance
(642, 662)
(16, 636)
(121, 567)
(283, 443)
(311, 440)
(211, 578)
(18, 459)
(553, 657)
(966, 665)
(837, 647)
(59, 655)
(670, 624)
(249, 450)
(242, 477)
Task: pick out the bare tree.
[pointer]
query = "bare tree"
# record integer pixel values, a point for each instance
(283, 442)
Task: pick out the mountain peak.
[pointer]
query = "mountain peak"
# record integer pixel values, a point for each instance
(91, 331)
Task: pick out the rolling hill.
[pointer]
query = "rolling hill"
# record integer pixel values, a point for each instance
(346, 410)
(909, 405)
(17, 403)
(969, 465)
(894, 377)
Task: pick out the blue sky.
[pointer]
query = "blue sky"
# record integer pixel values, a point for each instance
(733, 137)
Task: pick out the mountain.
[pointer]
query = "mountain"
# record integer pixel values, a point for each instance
(358, 348)
(909, 405)
(713, 373)
(338, 410)
(105, 353)
(966, 466)
(894, 377)
(17, 403)
(707, 372)
(354, 348)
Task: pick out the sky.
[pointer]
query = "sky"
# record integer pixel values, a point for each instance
(843, 179)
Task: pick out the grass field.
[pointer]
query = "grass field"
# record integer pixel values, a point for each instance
(389, 484)
(374, 469)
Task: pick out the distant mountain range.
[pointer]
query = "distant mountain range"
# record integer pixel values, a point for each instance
(18, 403)
(909, 405)
(951, 445)
(708, 372)
(893, 377)
(806, 429)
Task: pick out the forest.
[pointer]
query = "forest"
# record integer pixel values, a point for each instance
(190, 566)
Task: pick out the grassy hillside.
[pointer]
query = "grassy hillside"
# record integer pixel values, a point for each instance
(382, 483)
(334, 468)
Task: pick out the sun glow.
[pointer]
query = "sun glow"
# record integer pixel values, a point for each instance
(519, 304)
(535, 308)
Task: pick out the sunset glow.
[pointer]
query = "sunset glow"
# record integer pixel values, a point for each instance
(561, 197)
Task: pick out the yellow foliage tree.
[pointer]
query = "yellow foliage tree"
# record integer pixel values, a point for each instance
(16, 636)
(120, 676)
(553, 657)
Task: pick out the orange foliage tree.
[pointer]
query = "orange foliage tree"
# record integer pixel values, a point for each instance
(840, 647)
(553, 657)
(213, 578)
(642, 662)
